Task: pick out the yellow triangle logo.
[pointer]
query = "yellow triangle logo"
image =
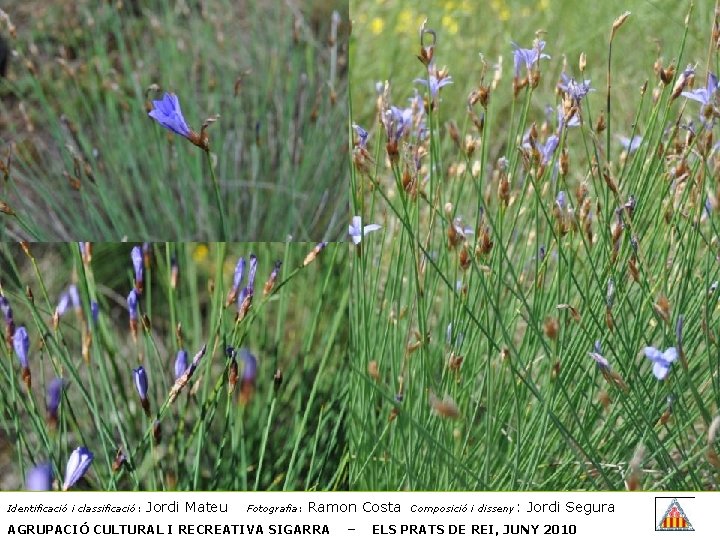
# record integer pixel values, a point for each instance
(674, 519)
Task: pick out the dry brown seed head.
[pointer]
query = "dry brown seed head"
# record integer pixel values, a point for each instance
(485, 244)
(232, 375)
(5, 209)
(667, 74)
(604, 399)
(504, 190)
(373, 370)
(392, 151)
(464, 258)
(609, 322)
(632, 265)
(564, 162)
(446, 407)
(453, 237)
(454, 132)
(533, 135)
(662, 306)
(484, 97)
(534, 78)
(617, 23)
(556, 369)
(600, 125)
(581, 192)
(551, 327)
(455, 361)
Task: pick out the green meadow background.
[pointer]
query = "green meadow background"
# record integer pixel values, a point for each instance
(475, 307)
(86, 161)
(286, 433)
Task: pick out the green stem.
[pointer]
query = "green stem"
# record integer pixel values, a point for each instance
(223, 230)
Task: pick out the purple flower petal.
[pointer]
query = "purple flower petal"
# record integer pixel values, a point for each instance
(252, 270)
(77, 465)
(39, 478)
(141, 381)
(54, 394)
(168, 114)
(601, 361)
(660, 370)
(21, 344)
(181, 363)
(356, 231)
(249, 365)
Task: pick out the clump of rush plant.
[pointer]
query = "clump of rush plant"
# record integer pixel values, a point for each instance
(173, 366)
(92, 132)
(537, 309)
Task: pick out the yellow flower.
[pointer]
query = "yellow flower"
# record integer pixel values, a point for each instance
(200, 253)
(500, 7)
(407, 22)
(377, 25)
(449, 24)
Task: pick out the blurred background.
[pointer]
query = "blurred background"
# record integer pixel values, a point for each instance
(386, 40)
(81, 158)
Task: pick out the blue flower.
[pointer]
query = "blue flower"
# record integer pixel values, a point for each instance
(529, 57)
(77, 465)
(54, 394)
(6, 310)
(270, 283)
(63, 304)
(141, 382)
(397, 122)
(245, 293)
(132, 303)
(457, 224)
(596, 355)
(661, 360)
(39, 478)
(168, 114)
(68, 299)
(238, 274)
(561, 200)
(434, 84)
(576, 90)
(252, 271)
(679, 330)
(21, 344)
(362, 135)
(704, 95)
(249, 365)
(356, 231)
(181, 363)
(548, 149)
(630, 145)
(136, 255)
(601, 361)
(573, 121)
